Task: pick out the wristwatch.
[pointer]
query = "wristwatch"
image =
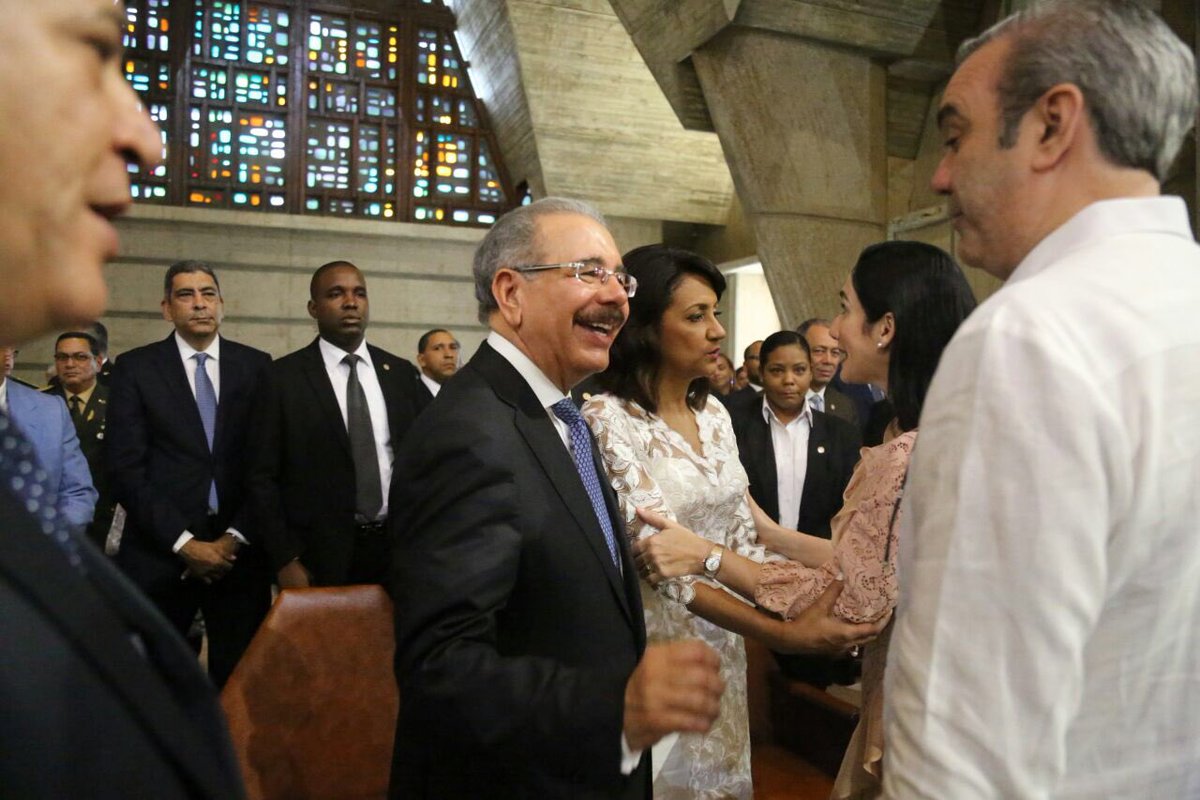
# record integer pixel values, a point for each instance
(712, 564)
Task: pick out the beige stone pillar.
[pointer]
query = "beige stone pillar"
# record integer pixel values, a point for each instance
(803, 128)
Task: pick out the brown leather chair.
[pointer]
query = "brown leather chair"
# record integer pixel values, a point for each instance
(312, 705)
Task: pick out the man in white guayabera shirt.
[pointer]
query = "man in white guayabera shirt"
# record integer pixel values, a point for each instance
(1047, 642)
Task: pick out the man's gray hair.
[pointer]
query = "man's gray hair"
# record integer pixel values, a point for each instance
(512, 243)
(1137, 78)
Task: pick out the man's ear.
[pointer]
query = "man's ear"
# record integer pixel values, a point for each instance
(1061, 117)
(312, 309)
(507, 288)
(166, 310)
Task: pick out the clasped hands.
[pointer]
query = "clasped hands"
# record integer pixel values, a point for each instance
(675, 551)
(210, 561)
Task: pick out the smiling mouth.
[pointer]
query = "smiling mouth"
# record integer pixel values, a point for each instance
(605, 324)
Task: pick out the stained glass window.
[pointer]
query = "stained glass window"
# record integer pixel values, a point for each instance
(313, 107)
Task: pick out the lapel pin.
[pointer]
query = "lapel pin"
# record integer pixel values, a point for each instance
(387, 366)
(821, 448)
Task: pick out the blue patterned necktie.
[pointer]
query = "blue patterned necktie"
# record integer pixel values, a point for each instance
(817, 402)
(581, 451)
(26, 480)
(206, 401)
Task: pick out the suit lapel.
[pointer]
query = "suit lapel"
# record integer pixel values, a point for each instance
(768, 471)
(36, 564)
(817, 473)
(174, 377)
(533, 423)
(389, 374)
(322, 389)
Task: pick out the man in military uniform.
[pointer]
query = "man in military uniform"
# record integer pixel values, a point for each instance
(77, 364)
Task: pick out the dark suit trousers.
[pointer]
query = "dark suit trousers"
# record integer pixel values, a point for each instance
(233, 607)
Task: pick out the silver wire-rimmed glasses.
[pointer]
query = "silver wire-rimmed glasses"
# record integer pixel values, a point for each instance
(591, 274)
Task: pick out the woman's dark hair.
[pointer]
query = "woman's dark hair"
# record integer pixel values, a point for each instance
(929, 297)
(635, 360)
(781, 339)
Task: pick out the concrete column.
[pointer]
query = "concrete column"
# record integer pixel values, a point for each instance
(803, 128)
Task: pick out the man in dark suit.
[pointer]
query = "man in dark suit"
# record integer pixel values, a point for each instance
(437, 355)
(799, 461)
(77, 364)
(520, 642)
(324, 435)
(101, 699)
(826, 358)
(178, 413)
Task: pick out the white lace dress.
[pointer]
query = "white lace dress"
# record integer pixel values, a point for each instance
(651, 466)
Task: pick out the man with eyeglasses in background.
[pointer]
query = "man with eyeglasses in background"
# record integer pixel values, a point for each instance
(77, 365)
(520, 642)
(826, 358)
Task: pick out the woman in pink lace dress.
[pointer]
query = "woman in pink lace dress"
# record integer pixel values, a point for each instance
(900, 306)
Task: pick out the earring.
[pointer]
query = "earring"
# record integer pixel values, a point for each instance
(879, 345)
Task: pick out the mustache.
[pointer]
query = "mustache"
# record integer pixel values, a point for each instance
(602, 316)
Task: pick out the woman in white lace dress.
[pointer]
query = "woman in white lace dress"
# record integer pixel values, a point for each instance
(669, 447)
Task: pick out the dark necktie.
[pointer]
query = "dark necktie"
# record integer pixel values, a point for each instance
(581, 451)
(76, 404)
(206, 401)
(21, 475)
(368, 495)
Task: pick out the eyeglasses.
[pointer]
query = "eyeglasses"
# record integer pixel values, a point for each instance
(591, 274)
(78, 358)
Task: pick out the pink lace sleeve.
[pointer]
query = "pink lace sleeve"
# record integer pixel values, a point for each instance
(864, 551)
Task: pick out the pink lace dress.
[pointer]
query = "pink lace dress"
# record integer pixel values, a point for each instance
(864, 552)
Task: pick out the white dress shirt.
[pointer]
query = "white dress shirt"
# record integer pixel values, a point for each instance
(188, 353)
(4, 393)
(433, 386)
(339, 376)
(790, 440)
(211, 368)
(548, 394)
(1047, 640)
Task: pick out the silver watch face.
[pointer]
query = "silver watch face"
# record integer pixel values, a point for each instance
(712, 563)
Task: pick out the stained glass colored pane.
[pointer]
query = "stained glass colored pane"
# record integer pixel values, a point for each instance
(329, 153)
(339, 46)
(466, 113)
(148, 76)
(452, 166)
(490, 189)
(210, 83)
(369, 166)
(392, 58)
(261, 149)
(267, 34)
(210, 145)
(146, 25)
(327, 96)
(218, 30)
(438, 62)
(206, 197)
(380, 102)
(452, 72)
(250, 86)
(421, 167)
(428, 214)
(428, 57)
